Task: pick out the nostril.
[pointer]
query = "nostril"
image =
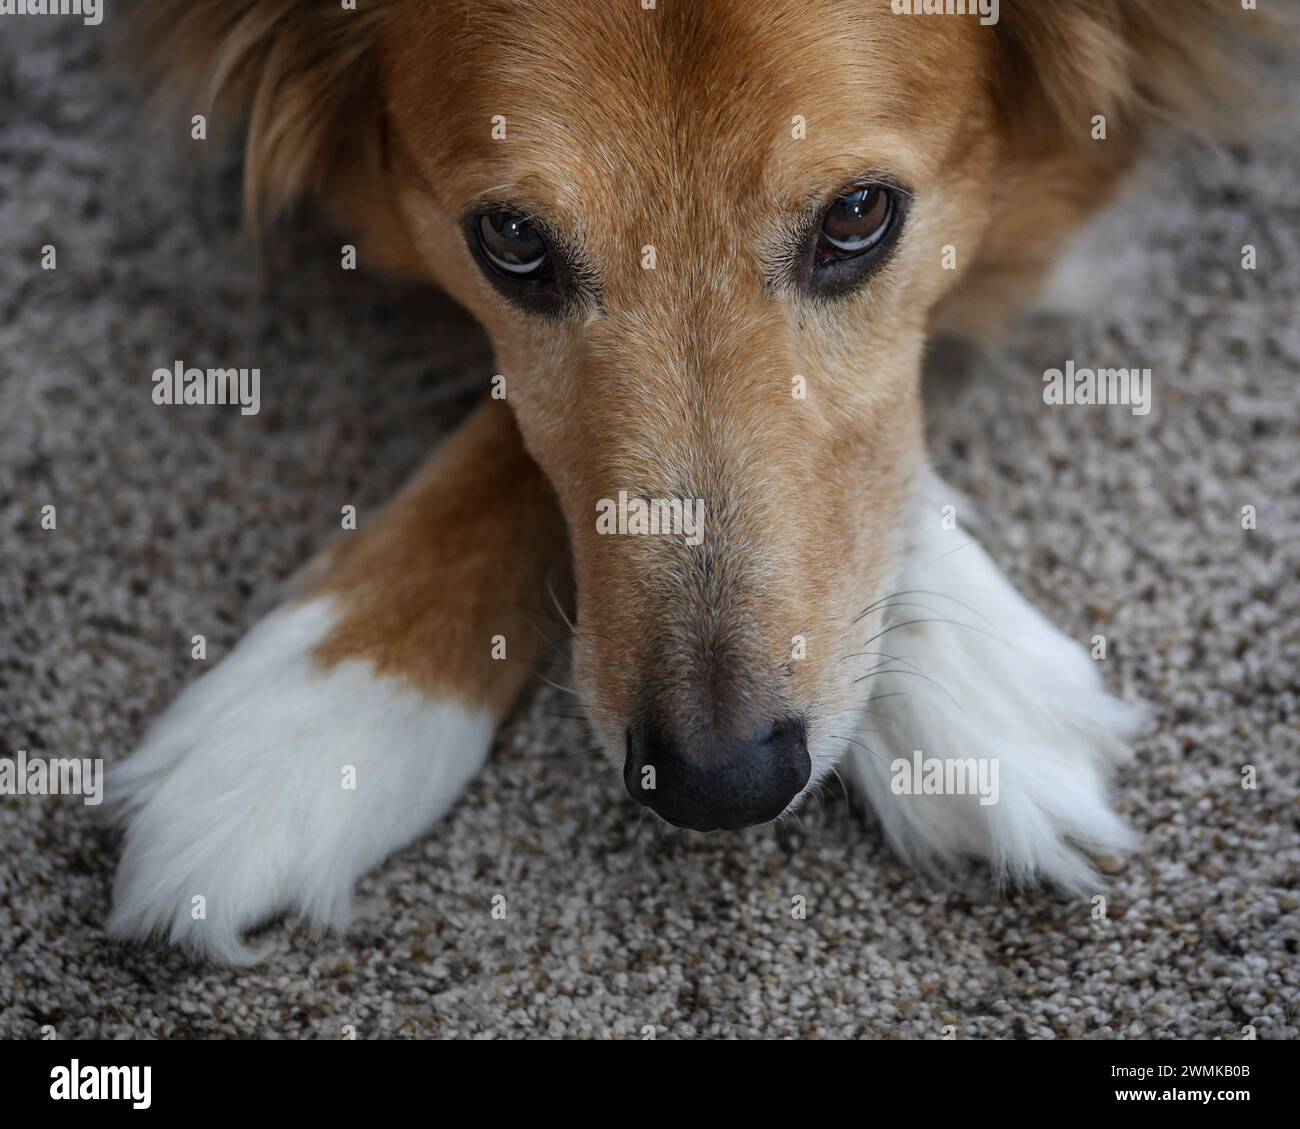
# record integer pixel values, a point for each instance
(789, 732)
(705, 785)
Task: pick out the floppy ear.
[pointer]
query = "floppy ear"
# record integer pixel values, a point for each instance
(1143, 64)
(303, 73)
(1147, 67)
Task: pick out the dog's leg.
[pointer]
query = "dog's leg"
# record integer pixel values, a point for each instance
(349, 719)
(974, 673)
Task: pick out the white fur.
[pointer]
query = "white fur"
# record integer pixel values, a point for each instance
(237, 793)
(997, 681)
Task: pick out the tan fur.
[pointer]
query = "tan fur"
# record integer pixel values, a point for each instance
(434, 578)
(671, 127)
(304, 75)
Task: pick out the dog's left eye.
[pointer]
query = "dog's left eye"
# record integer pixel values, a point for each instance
(511, 245)
(519, 259)
(856, 231)
(855, 223)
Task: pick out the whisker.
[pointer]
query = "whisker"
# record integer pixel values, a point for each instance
(575, 754)
(860, 744)
(900, 604)
(835, 772)
(546, 664)
(558, 641)
(550, 591)
(913, 674)
(526, 608)
(945, 556)
(879, 654)
(911, 622)
(927, 592)
(557, 686)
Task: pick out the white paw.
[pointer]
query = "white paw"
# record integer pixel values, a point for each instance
(271, 785)
(987, 679)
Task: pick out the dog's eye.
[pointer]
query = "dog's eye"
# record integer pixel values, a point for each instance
(512, 245)
(855, 231)
(518, 259)
(854, 224)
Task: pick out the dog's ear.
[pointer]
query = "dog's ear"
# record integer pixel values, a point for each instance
(302, 73)
(1140, 64)
(1055, 66)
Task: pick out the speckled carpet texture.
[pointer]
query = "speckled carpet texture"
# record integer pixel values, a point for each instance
(172, 523)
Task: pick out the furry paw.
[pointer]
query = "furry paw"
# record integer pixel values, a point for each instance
(272, 784)
(980, 684)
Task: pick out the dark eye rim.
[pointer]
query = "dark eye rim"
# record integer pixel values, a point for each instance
(839, 276)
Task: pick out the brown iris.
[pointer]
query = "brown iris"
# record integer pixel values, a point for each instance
(855, 224)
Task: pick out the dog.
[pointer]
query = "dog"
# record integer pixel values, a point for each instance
(710, 242)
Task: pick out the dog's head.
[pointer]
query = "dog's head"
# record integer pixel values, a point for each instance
(708, 241)
(705, 241)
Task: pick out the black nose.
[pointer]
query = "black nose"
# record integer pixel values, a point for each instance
(704, 788)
